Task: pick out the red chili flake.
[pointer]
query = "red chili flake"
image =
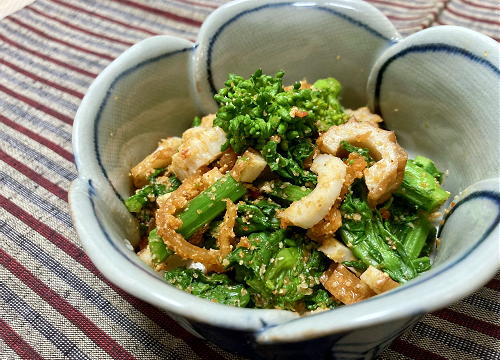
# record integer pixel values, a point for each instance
(386, 214)
(254, 193)
(301, 113)
(144, 243)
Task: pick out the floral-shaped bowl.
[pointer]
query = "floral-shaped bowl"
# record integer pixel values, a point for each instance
(438, 89)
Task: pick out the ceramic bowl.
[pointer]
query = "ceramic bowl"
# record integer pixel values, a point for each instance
(438, 89)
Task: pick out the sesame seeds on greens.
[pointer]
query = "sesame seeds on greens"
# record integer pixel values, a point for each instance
(269, 266)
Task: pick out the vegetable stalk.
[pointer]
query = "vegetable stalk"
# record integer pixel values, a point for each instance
(150, 192)
(144, 195)
(429, 166)
(421, 188)
(159, 251)
(415, 239)
(209, 204)
(284, 191)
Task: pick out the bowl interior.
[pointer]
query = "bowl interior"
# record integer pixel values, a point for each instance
(439, 90)
(311, 40)
(144, 104)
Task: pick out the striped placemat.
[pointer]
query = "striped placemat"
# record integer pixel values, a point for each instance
(54, 303)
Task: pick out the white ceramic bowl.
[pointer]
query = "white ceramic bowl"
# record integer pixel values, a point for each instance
(438, 89)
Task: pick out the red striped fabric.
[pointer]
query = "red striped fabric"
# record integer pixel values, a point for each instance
(56, 40)
(404, 5)
(45, 57)
(65, 245)
(90, 329)
(17, 343)
(49, 54)
(413, 351)
(40, 79)
(469, 322)
(40, 139)
(105, 18)
(34, 176)
(81, 29)
(472, 17)
(36, 105)
(207, 5)
(479, 5)
(483, 16)
(163, 13)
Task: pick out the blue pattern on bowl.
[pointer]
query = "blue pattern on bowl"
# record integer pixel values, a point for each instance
(107, 98)
(169, 80)
(433, 47)
(264, 7)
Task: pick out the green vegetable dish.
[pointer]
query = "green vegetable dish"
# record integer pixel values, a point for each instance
(283, 199)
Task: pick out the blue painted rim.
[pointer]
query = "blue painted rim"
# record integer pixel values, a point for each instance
(331, 11)
(427, 48)
(485, 194)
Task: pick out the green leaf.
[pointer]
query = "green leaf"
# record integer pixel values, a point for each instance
(286, 166)
(365, 153)
(256, 217)
(280, 270)
(196, 121)
(216, 287)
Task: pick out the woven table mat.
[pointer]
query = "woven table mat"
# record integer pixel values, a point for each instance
(54, 303)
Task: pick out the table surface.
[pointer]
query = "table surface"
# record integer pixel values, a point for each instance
(53, 302)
